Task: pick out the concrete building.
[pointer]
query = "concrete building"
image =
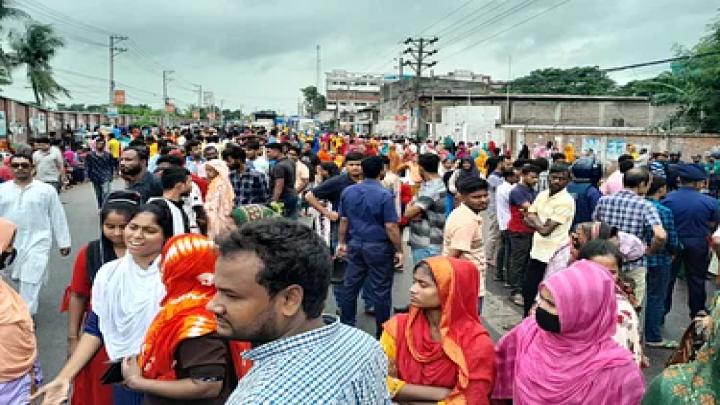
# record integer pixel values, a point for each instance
(349, 92)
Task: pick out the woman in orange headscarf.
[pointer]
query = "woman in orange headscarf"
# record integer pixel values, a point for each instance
(569, 153)
(180, 345)
(440, 351)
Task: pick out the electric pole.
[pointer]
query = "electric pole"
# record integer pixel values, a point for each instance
(317, 68)
(419, 50)
(114, 51)
(166, 99)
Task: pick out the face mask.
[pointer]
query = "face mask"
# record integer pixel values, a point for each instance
(547, 321)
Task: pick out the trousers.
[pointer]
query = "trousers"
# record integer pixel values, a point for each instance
(695, 257)
(503, 256)
(533, 277)
(520, 244)
(30, 293)
(371, 261)
(658, 280)
(102, 189)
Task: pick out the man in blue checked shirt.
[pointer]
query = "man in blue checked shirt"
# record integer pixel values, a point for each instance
(659, 267)
(272, 279)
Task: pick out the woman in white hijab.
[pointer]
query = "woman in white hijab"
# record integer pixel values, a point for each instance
(126, 296)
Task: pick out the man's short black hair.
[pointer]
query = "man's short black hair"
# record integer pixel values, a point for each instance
(371, 167)
(624, 157)
(429, 162)
(508, 173)
(635, 177)
(141, 152)
(530, 168)
(560, 168)
(471, 184)
(173, 160)
(656, 184)
(276, 146)
(625, 165)
(542, 163)
(235, 152)
(354, 157)
(42, 139)
(252, 144)
(291, 254)
(189, 145)
(172, 176)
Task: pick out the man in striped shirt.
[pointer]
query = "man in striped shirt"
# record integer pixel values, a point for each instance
(272, 279)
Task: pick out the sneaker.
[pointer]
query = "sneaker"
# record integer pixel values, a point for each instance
(517, 299)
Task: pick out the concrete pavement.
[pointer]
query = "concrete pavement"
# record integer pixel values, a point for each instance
(499, 315)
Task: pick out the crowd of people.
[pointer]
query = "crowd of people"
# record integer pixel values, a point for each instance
(215, 259)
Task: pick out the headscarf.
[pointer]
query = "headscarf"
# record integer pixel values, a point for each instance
(481, 162)
(578, 364)
(188, 267)
(695, 382)
(18, 348)
(464, 173)
(220, 199)
(569, 153)
(464, 357)
(251, 212)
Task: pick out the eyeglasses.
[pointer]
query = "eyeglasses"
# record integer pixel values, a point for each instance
(20, 165)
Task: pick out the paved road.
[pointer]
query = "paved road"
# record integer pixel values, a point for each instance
(499, 314)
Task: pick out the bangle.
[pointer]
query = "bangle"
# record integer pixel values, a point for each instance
(72, 337)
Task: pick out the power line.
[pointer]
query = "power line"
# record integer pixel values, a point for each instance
(660, 61)
(468, 19)
(509, 28)
(64, 18)
(490, 21)
(446, 16)
(87, 76)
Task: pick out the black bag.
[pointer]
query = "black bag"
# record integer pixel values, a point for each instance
(338, 271)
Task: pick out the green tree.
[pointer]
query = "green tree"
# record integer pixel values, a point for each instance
(589, 80)
(314, 101)
(7, 13)
(34, 48)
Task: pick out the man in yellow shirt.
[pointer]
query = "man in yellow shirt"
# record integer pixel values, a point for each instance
(114, 149)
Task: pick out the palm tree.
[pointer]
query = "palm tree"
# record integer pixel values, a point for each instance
(34, 49)
(7, 12)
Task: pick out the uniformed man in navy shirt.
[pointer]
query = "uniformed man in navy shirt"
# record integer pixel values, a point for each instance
(696, 216)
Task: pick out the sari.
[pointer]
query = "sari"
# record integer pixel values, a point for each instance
(463, 359)
(695, 382)
(582, 363)
(18, 346)
(220, 200)
(569, 153)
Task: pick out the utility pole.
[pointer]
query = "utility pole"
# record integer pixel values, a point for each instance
(166, 99)
(114, 51)
(419, 50)
(317, 69)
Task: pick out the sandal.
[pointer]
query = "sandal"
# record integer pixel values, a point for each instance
(663, 344)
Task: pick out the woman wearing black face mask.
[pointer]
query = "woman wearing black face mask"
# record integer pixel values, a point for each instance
(565, 354)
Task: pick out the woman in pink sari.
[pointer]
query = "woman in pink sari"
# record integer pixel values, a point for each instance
(565, 353)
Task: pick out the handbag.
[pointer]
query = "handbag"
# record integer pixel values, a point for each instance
(692, 340)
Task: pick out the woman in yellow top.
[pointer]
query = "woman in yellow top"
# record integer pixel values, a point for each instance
(439, 351)
(569, 153)
(481, 162)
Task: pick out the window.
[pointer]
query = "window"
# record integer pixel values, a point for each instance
(618, 122)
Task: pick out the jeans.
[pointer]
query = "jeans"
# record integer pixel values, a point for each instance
(520, 244)
(101, 191)
(695, 257)
(290, 207)
(533, 277)
(658, 279)
(420, 254)
(503, 256)
(492, 240)
(372, 261)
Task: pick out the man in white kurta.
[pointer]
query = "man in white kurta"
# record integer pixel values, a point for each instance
(36, 209)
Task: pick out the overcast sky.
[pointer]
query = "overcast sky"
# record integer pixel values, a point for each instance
(259, 53)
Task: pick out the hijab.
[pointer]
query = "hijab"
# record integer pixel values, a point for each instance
(463, 173)
(188, 267)
(578, 364)
(464, 357)
(18, 347)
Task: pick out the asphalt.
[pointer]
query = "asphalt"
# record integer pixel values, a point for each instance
(499, 315)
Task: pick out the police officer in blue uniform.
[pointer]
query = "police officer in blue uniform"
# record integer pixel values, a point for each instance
(586, 172)
(696, 216)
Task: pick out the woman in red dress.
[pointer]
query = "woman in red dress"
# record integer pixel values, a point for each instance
(115, 214)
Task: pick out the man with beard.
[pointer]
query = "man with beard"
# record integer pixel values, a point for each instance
(251, 187)
(177, 184)
(34, 206)
(133, 169)
(272, 280)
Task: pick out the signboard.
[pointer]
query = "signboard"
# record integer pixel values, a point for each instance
(401, 124)
(591, 143)
(3, 125)
(615, 148)
(112, 112)
(119, 97)
(196, 114)
(211, 115)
